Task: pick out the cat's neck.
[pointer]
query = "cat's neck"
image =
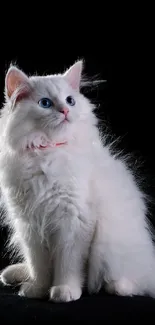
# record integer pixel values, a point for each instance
(81, 134)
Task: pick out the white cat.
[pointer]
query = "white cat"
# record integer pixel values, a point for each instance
(76, 213)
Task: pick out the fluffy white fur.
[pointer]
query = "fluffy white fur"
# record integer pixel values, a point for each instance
(76, 213)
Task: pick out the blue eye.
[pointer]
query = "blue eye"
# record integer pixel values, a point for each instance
(45, 103)
(70, 100)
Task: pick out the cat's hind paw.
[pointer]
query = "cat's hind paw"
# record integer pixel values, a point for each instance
(14, 274)
(122, 287)
(32, 290)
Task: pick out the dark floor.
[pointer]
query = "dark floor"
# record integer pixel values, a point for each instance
(95, 308)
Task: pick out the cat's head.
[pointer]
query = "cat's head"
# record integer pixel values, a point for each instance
(50, 103)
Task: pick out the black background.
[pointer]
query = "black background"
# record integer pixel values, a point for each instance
(126, 103)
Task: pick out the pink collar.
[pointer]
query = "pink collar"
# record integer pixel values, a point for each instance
(50, 145)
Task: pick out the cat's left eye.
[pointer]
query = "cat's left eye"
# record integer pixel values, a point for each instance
(45, 103)
(70, 100)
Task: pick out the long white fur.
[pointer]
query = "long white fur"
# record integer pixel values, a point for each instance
(77, 215)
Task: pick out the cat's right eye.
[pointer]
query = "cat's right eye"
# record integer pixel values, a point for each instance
(45, 103)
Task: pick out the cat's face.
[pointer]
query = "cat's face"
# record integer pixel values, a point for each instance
(54, 101)
(50, 102)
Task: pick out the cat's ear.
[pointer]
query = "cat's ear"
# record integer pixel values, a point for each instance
(16, 83)
(73, 75)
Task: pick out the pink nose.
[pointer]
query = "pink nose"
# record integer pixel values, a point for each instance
(65, 111)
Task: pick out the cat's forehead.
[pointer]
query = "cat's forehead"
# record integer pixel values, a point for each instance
(54, 85)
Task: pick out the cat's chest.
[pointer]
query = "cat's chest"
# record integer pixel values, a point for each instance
(63, 169)
(52, 166)
(61, 163)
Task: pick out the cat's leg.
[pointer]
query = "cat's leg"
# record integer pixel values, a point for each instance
(38, 264)
(68, 263)
(34, 273)
(15, 274)
(96, 263)
(106, 268)
(67, 285)
(122, 256)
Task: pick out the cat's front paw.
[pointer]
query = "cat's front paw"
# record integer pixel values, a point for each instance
(64, 293)
(32, 290)
(14, 274)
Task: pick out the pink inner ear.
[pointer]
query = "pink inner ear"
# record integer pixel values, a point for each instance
(22, 93)
(73, 75)
(16, 80)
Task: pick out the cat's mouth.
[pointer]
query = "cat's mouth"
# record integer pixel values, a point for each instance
(62, 121)
(65, 119)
